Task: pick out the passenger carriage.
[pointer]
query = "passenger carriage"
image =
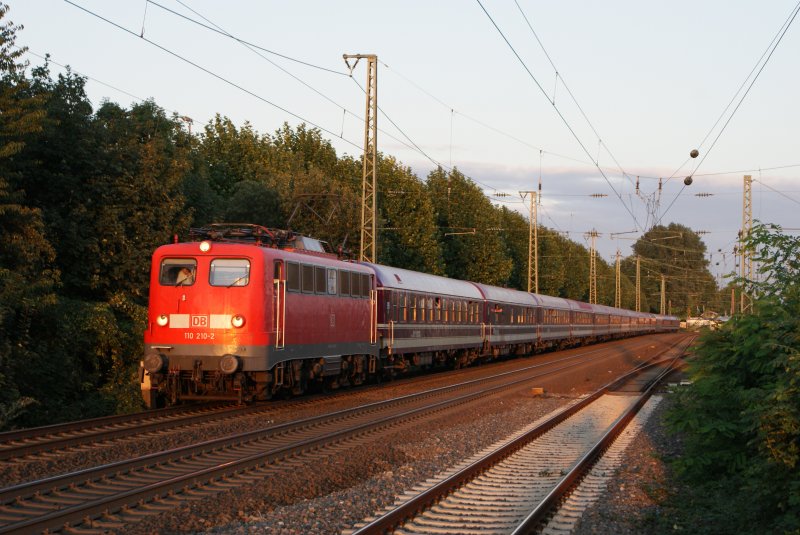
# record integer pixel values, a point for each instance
(582, 316)
(555, 326)
(512, 320)
(426, 319)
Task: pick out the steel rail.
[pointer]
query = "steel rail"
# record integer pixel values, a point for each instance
(391, 520)
(120, 428)
(97, 430)
(538, 516)
(94, 508)
(25, 490)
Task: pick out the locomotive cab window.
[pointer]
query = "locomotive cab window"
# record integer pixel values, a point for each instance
(229, 272)
(177, 272)
(293, 276)
(308, 278)
(332, 278)
(320, 280)
(344, 283)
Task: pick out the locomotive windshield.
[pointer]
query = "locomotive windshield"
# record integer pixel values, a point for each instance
(229, 272)
(178, 271)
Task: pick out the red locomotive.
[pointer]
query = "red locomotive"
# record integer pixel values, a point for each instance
(245, 312)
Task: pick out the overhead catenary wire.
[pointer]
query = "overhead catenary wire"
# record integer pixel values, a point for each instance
(256, 49)
(773, 46)
(561, 116)
(781, 193)
(559, 75)
(212, 73)
(220, 31)
(249, 92)
(48, 58)
(484, 124)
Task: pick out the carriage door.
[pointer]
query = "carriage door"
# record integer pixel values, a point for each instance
(279, 305)
(373, 312)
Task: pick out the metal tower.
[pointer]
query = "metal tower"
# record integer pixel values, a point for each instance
(593, 267)
(533, 242)
(638, 284)
(618, 292)
(746, 263)
(369, 183)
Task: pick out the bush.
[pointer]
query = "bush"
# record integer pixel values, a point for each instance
(741, 417)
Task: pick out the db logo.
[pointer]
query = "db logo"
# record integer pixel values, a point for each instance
(199, 321)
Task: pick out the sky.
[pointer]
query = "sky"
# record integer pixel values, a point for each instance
(580, 96)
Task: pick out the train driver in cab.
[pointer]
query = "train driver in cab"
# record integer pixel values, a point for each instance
(185, 277)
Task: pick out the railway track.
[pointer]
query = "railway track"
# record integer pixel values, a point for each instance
(514, 486)
(15, 445)
(111, 496)
(60, 439)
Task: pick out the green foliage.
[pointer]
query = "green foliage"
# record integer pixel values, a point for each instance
(741, 416)
(87, 194)
(254, 202)
(64, 368)
(678, 253)
(468, 229)
(408, 238)
(27, 274)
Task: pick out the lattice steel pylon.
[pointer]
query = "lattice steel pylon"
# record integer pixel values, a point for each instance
(592, 267)
(638, 283)
(618, 290)
(369, 183)
(746, 263)
(533, 242)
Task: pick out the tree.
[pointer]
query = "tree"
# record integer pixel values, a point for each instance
(408, 238)
(27, 273)
(677, 253)
(740, 418)
(514, 234)
(468, 230)
(233, 155)
(254, 202)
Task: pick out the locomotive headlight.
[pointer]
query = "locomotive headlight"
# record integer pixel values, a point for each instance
(237, 321)
(205, 246)
(162, 320)
(229, 364)
(154, 362)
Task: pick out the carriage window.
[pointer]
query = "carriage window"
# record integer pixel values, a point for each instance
(397, 305)
(293, 276)
(344, 283)
(308, 279)
(229, 272)
(178, 271)
(320, 281)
